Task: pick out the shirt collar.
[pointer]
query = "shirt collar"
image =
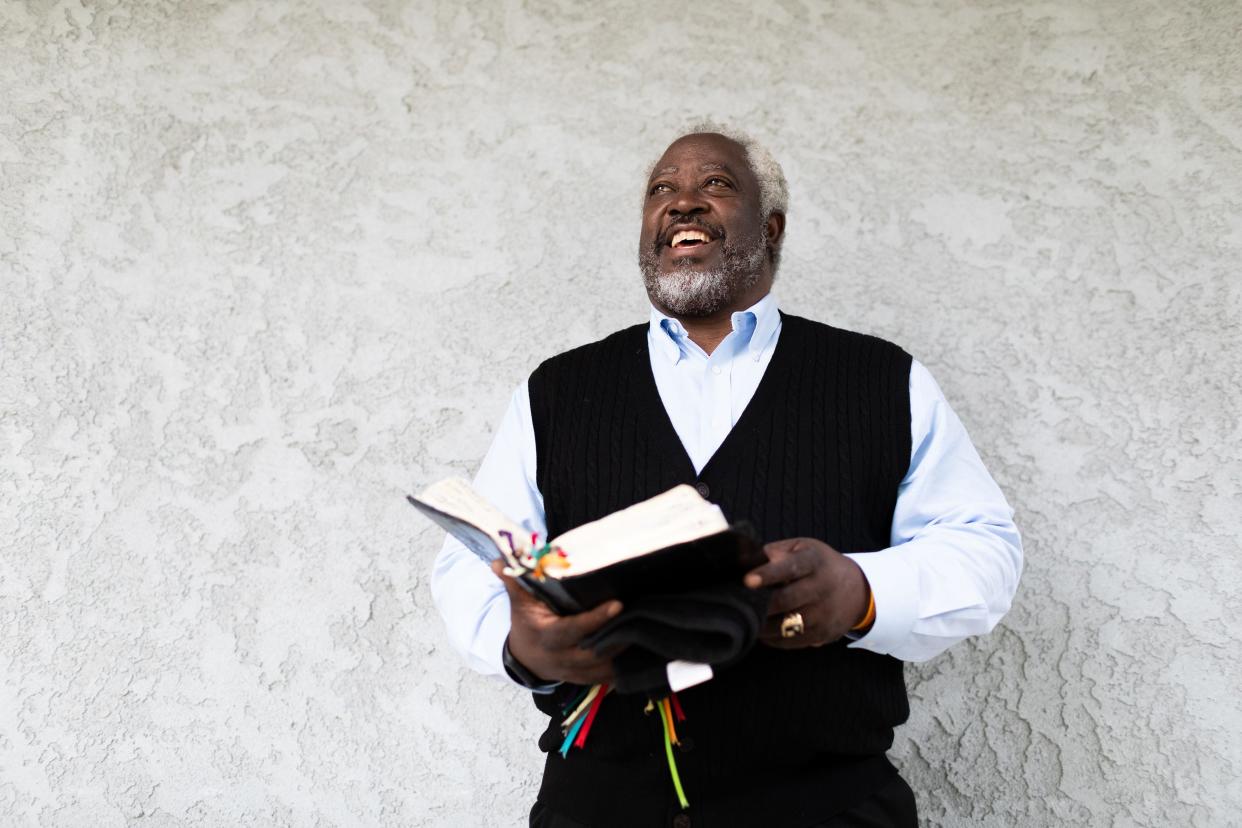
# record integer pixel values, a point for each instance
(756, 326)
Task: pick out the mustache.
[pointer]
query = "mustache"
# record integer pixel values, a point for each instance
(713, 230)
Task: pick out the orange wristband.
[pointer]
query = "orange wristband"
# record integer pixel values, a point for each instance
(868, 618)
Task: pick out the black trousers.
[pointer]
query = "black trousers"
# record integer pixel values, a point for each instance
(892, 806)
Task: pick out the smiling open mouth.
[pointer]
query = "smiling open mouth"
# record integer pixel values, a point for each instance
(689, 238)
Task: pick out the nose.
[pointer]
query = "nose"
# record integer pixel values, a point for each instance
(687, 202)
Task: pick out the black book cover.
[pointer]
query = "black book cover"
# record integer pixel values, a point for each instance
(715, 559)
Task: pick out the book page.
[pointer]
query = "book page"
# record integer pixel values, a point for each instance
(457, 498)
(677, 516)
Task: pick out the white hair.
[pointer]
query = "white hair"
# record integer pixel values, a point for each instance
(773, 189)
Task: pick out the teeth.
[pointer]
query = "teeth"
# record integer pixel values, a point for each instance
(688, 235)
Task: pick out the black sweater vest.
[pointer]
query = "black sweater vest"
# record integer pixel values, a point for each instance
(784, 737)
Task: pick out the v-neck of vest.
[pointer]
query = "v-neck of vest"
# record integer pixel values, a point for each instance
(759, 402)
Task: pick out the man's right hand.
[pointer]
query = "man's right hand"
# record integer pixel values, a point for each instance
(547, 644)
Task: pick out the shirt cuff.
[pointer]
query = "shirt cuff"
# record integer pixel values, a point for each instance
(894, 583)
(518, 672)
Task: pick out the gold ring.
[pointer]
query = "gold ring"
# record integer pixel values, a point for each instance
(791, 625)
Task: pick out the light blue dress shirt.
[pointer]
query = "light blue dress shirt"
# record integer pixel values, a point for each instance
(954, 558)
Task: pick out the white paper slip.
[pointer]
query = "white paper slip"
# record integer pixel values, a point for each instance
(683, 674)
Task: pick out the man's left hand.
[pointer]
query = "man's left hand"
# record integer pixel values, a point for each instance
(810, 577)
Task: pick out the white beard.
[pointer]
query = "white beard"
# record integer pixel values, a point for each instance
(685, 291)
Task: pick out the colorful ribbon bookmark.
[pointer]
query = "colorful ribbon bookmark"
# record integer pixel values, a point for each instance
(578, 723)
(670, 739)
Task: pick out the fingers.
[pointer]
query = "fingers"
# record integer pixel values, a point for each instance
(511, 585)
(610, 651)
(781, 548)
(788, 561)
(778, 643)
(800, 593)
(808, 576)
(600, 673)
(519, 596)
(570, 629)
(552, 642)
(579, 659)
(563, 641)
(770, 634)
(812, 633)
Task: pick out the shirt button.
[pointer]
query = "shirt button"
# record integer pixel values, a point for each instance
(716, 370)
(703, 489)
(681, 821)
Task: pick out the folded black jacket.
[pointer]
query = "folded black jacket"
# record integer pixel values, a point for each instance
(715, 626)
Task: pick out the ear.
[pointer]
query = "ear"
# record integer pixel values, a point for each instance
(775, 229)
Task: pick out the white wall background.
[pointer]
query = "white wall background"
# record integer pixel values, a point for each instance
(266, 266)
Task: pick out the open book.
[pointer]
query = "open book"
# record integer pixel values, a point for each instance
(674, 542)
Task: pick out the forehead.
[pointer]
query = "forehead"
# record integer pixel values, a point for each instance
(704, 151)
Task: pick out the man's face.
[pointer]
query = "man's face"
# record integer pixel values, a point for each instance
(703, 243)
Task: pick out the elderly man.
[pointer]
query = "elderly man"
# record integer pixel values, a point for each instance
(886, 538)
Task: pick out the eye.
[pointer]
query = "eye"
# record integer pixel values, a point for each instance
(717, 181)
(658, 188)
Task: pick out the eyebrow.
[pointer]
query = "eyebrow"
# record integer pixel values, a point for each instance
(709, 167)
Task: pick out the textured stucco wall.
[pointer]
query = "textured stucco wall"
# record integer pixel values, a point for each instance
(266, 266)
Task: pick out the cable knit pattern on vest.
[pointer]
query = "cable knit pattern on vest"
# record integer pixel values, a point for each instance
(819, 452)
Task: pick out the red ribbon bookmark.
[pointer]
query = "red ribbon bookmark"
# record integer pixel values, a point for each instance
(586, 726)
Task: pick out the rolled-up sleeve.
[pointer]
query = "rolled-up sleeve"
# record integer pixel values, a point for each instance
(955, 557)
(471, 599)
